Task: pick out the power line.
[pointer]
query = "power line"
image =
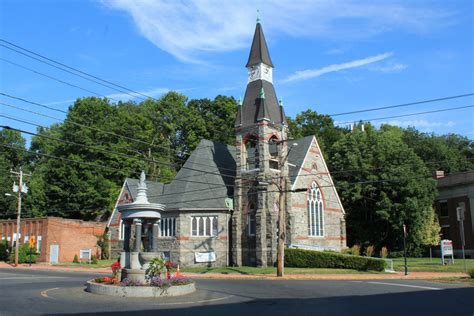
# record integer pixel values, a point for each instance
(412, 114)
(76, 72)
(405, 104)
(178, 152)
(56, 79)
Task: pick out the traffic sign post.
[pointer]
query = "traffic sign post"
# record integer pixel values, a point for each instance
(31, 245)
(460, 216)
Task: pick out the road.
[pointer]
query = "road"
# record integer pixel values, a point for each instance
(27, 292)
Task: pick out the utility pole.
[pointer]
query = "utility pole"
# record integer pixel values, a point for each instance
(21, 188)
(405, 247)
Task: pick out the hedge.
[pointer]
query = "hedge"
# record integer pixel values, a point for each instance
(301, 258)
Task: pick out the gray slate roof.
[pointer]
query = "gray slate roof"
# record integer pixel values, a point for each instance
(253, 110)
(207, 177)
(297, 155)
(259, 51)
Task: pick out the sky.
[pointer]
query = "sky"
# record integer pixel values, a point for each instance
(330, 56)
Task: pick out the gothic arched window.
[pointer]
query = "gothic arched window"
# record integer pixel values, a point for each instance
(315, 212)
(273, 150)
(251, 147)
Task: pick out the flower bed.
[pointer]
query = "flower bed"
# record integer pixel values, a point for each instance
(153, 286)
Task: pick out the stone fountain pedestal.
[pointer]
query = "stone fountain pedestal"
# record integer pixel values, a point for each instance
(143, 217)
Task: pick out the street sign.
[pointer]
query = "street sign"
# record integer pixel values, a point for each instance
(446, 250)
(31, 242)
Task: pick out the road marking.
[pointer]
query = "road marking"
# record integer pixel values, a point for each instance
(44, 293)
(198, 302)
(407, 285)
(32, 277)
(357, 281)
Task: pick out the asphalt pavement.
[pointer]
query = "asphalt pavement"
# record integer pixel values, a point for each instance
(29, 292)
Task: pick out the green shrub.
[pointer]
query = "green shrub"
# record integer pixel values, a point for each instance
(75, 260)
(384, 252)
(355, 250)
(94, 260)
(369, 251)
(23, 254)
(300, 258)
(4, 250)
(471, 273)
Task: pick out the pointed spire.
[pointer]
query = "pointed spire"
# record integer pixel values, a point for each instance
(258, 16)
(259, 51)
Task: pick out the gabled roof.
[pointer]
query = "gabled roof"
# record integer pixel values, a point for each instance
(208, 177)
(259, 51)
(297, 155)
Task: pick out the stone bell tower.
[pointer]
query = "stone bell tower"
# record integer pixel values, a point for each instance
(261, 149)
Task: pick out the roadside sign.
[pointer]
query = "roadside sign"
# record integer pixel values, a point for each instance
(446, 250)
(31, 242)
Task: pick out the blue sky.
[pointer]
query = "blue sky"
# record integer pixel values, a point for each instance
(329, 56)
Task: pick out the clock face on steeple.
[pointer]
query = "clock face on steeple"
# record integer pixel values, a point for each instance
(260, 72)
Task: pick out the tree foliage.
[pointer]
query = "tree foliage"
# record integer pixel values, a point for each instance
(383, 185)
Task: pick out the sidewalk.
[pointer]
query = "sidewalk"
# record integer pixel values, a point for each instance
(236, 276)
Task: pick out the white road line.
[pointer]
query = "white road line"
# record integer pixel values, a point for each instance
(44, 293)
(32, 277)
(407, 285)
(198, 302)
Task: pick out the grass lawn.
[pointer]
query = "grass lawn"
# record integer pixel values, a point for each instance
(100, 264)
(271, 270)
(424, 264)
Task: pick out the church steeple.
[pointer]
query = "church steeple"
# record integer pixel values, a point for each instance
(259, 51)
(260, 67)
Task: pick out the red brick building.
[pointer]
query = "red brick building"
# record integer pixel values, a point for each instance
(57, 239)
(456, 190)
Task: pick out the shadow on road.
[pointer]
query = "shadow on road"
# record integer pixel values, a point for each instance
(459, 301)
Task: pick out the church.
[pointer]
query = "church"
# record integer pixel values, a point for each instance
(222, 208)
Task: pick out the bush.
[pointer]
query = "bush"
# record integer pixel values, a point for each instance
(471, 273)
(300, 258)
(23, 254)
(94, 260)
(75, 260)
(4, 250)
(355, 250)
(384, 252)
(396, 254)
(369, 251)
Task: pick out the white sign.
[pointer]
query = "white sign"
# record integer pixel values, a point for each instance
(446, 247)
(85, 254)
(205, 256)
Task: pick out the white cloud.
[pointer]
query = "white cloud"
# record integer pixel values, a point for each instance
(130, 96)
(122, 96)
(187, 29)
(420, 123)
(312, 73)
(389, 67)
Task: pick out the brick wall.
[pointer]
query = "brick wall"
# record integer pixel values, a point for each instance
(71, 235)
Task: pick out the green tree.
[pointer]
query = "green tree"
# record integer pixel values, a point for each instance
(12, 156)
(383, 184)
(311, 123)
